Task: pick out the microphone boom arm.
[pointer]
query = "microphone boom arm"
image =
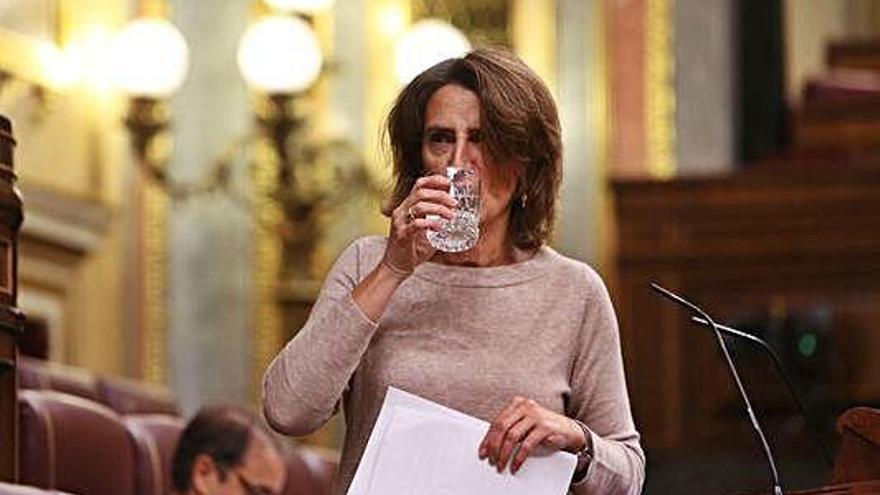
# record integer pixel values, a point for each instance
(792, 389)
(777, 488)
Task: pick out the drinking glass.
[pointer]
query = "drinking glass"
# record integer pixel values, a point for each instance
(461, 232)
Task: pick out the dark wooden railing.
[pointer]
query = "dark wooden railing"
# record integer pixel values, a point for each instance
(11, 320)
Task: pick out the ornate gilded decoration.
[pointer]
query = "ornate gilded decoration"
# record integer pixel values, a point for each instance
(300, 184)
(266, 260)
(151, 140)
(483, 21)
(154, 280)
(148, 125)
(660, 139)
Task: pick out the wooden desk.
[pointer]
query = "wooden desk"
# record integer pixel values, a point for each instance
(785, 235)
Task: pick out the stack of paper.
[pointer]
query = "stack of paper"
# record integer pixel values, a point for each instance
(420, 447)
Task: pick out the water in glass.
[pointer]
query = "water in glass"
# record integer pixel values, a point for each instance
(461, 232)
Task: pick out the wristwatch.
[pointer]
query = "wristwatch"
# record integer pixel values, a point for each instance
(586, 451)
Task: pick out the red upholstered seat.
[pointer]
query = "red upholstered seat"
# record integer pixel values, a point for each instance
(43, 375)
(155, 438)
(74, 444)
(858, 458)
(311, 471)
(127, 396)
(123, 395)
(300, 480)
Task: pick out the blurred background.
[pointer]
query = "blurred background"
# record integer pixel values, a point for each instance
(190, 169)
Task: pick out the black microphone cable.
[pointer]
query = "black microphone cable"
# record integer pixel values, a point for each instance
(777, 487)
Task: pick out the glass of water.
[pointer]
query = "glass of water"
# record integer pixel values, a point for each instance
(461, 232)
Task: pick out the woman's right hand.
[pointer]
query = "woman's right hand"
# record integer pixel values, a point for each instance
(407, 244)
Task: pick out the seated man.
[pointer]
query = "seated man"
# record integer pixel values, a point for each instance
(224, 451)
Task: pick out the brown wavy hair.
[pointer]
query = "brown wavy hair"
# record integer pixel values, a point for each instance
(520, 125)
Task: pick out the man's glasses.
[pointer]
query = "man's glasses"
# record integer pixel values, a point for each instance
(251, 488)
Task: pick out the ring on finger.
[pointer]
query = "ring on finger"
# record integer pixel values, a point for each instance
(410, 216)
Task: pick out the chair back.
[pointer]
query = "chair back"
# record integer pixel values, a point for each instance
(43, 375)
(74, 444)
(155, 438)
(311, 471)
(127, 396)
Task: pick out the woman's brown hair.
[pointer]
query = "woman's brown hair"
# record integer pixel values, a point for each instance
(519, 123)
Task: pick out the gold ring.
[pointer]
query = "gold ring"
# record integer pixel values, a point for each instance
(410, 216)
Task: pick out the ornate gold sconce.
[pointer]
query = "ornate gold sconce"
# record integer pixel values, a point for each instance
(147, 119)
(280, 58)
(151, 60)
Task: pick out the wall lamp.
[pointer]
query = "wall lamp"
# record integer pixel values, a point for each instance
(279, 57)
(151, 58)
(280, 60)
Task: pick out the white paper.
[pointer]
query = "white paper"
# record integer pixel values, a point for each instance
(420, 447)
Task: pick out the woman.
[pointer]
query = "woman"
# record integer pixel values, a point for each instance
(509, 331)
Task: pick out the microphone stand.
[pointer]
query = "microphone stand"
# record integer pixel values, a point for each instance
(777, 487)
(789, 384)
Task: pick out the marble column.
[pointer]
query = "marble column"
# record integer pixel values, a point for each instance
(208, 279)
(581, 98)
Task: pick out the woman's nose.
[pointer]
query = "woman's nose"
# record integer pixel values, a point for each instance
(463, 155)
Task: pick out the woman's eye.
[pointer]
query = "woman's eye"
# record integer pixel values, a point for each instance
(476, 137)
(440, 137)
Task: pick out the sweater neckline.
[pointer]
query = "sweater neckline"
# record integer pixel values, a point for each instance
(487, 276)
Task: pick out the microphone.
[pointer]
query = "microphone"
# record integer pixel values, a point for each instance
(777, 487)
(780, 370)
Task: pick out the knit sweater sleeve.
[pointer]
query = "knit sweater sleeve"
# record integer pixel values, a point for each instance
(304, 384)
(599, 399)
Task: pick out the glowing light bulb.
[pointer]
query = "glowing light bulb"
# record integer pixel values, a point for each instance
(279, 54)
(426, 43)
(150, 58)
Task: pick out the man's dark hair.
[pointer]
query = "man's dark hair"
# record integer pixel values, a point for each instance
(519, 122)
(220, 432)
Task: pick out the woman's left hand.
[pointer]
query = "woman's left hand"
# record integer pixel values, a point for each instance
(527, 423)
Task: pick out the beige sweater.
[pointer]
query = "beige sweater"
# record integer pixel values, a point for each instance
(471, 339)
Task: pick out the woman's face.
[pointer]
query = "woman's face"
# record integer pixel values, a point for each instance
(452, 136)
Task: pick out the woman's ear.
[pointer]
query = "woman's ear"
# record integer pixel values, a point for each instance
(521, 174)
(204, 476)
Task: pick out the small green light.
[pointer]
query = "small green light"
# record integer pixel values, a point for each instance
(807, 344)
